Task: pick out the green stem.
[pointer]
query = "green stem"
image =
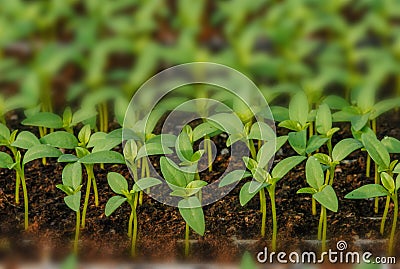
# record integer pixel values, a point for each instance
(26, 205)
(321, 224)
(90, 173)
(377, 181)
(368, 169)
(271, 192)
(85, 205)
(394, 226)
(252, 150)
(324, 230)
(263, 211)
(105, 117)
(130, 225)
(314, 207)
(385, 214)
(135, 227)
(17, 186)
(187, 234)
(209, 154)
(77, 230)
(311, 129)
(101, 118)
(332, 175)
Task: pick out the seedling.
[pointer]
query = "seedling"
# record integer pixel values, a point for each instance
(72, 185)
(35, 150)
(50, 120)
(120, 186)
(259, 170)
(301, 119)
(389, 189)
(183, 185)
(89, 159)
(323, 193)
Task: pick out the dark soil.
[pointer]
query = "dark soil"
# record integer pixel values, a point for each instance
(161, 228)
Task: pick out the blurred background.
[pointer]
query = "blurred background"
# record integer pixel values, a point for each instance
(57, 51)
(99, 52)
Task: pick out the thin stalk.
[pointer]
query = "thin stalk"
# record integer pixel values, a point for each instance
(135, 226)
(101, 118)
(368, 168)
(209, 153)
(263, 202)
(271, 192)
(332, 175)
(26, 205)
(85, 205)
(324, 230)
(314, 207)
(394, 225)
(187, 234)
(321, 224)
(252, 149)
(377, 181)
(105, 117)
(130, 225)
(143, 175)
(311, 129)
(385, 214)
(90, 173)
(77, 230)
(17, 186)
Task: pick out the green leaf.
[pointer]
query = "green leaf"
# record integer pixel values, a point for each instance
(146, 183)
(130, 151)
(291, 125)
(336, 102)
(298, 141)
(284, 166)
(6, 161)
(4, 132)
(26, 140)
(82, 115)
(113, 204)
(359, 121)
(323, 158)
(307, 191)
(388, 182)
(261, 131)
(39, 152)
(44, 119)
(72, 175)
(391, 144)
(250, 163)
(172, 174)
(204, 129)
(117, 183)
(233, 177)
(192, 213)
(384, 106)
(226, 122)
(67, 158)
(280, 113)
(298, 108)
(397, 182)
(314, 173)
(153, 149)
(73, 201)
(68, 190)
(315, 142)
(376, 150)
(327, 198)
(367, 192)
(247, 193)
(84, 134)
(323, 122)
(60, 139)
(184, 148)
(344, 148)
(111, 157)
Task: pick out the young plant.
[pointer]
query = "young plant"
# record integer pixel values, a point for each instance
(120, 186)
(183, 184)
(323, 193)
(89, 159)
(389, 189)
(49, 120)
(72, 185)
(263, 180)
(34, 150)
(300, 120)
